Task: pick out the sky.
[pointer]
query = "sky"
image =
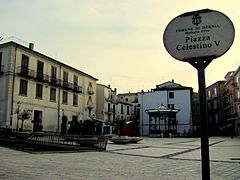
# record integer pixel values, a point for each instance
(120, 42)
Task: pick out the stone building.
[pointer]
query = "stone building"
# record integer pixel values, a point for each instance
(232, 101)
(215, 107)
(53, 92)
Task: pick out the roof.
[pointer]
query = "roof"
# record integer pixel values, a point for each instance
(12, 43)
(170, 85)
(215, 84)
(162, 109)
(128, 94)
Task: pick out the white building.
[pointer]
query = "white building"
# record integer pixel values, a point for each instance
(54, 92)
(170, 95)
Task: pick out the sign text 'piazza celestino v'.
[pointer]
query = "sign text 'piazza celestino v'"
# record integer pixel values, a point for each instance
(204, 33)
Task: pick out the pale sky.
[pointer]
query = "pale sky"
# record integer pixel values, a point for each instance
(117, 41)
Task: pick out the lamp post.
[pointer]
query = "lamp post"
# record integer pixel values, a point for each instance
(18, 109)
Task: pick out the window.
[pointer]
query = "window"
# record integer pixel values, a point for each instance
(171, 106)
(54, 72)
(37, 122)
(23, 87)
(39, 91)
(75, 100)
(65, 97)
(171, 95)
(121, 109)
(75, 80)
(109, 109)
(126, 99)
(40, 68)
(25, 63)
(215, 91)
(209, 93)
(65, 76)
(128, 110)
(53, 94)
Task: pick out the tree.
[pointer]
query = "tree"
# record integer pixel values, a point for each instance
(24, 115)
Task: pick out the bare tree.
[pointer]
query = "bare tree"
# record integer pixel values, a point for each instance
(24, 115)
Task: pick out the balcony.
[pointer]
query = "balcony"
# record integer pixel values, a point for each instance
(77, 88)
(67, 85)
(42, 77)
(56, 82)
(26, 72)
(90, 91)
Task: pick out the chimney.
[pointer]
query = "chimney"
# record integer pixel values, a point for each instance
(172, 80)
(31, 46)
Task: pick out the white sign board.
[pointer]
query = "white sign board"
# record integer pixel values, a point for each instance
(195, 35)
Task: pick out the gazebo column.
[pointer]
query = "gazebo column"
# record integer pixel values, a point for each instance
(149, 123)
(159, 118)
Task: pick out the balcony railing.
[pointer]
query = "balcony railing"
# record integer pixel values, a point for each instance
(77, 88)
(90, 91)
(42, 77)
(29, 73)
(67, 85)
(54, 81)
(26, 72)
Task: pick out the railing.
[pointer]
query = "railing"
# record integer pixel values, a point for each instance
(51, 140)
(42, 77)
(26, 72)
(29, 73)
(54, 81)
(77, 88)
(67, 85)
(90, 91)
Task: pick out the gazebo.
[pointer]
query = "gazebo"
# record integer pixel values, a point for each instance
(162, 120)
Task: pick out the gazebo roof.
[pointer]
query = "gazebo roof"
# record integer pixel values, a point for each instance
(162, 109)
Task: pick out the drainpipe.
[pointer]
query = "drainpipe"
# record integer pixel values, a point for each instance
(142, 111)
(13, 83)
(59, 91)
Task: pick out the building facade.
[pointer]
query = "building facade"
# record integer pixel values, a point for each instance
(232, 102)
(236, 76)
(172, 96)
(110, 108)
(215, 107)
(53, 92)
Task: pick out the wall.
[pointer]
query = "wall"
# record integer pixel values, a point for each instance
(152, 100)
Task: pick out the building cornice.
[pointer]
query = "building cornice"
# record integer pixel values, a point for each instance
(12, 43)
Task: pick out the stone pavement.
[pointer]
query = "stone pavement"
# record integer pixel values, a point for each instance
(152, 158)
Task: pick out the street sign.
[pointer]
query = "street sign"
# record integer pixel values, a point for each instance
(198, 37)
(194, 35)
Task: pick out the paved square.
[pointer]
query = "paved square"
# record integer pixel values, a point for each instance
(152, 158)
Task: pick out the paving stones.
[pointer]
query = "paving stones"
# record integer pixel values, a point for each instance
(153, 158)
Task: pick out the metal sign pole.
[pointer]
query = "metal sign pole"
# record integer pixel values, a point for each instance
(200, 66)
